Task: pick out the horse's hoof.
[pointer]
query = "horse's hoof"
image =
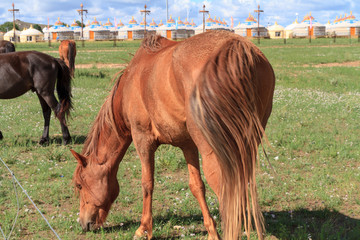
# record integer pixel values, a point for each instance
(139, 235)
(44, 141)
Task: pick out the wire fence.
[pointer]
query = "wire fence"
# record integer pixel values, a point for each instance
(14, 179)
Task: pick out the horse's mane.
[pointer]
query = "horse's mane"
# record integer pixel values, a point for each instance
(153, 43)
(104, 123)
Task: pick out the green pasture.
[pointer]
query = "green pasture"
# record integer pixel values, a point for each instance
(312, 190)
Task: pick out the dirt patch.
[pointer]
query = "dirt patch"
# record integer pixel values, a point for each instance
(343, 64)
(101, 65)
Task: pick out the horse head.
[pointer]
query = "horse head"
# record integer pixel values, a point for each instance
(98, 189)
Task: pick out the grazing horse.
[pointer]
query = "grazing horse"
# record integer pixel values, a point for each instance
(39, 72)
(6, 46)
(67, 52)
(210, 93)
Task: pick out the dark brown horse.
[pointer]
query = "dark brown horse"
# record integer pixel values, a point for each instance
(6, 46)
(39, 72)
(210, 93)
(67, 52)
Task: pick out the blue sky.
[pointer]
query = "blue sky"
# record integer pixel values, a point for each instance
(284, 12)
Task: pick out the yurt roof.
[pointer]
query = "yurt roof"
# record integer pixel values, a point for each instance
(133, 21)
(309, 19)
(59, 23)
(292, 26)
(31, 32)
(153, 23)
(109, 25)
(11, 33)
(276, 27)
(75, 27)
(250, 20)
(346, 21)
(120, 24)
(142, 23)
(59, 27)
(170, 21)
(160, 23)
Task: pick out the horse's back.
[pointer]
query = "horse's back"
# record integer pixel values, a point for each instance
(158, 95)
(19, 72)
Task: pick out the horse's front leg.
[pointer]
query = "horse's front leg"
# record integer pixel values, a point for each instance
(146, 152)
(1, 136)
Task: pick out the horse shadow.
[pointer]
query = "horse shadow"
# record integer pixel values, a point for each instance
(54, 140)
(298, 224)
(75, 139)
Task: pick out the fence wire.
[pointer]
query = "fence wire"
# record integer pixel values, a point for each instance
(18, 208)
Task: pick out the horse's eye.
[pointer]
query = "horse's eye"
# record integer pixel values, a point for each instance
(78, 186)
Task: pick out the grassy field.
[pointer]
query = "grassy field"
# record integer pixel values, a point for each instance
(312, 192)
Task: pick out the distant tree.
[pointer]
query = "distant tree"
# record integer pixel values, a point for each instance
(37, 26)
(79, 23)
(8, 26)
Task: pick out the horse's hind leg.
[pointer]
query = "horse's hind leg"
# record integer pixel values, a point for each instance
(197, 188)
(51, 101)
(146, 148)
(46, 110)
(1, 136)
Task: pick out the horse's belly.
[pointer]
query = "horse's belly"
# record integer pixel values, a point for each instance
(12, 91)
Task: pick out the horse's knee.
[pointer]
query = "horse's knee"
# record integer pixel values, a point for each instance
(197, 188)
(148, 187)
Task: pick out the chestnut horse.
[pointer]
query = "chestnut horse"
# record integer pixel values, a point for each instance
(210, 93)
(6, 46)
(39, 72)
(67, 52)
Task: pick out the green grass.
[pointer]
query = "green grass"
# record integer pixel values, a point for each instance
(314, 148)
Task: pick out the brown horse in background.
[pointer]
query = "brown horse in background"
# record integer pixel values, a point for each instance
(38, 72)
(210, 93)
(6, 46)
(67, 52)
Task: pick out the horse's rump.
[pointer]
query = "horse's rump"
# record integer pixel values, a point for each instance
(6, 46)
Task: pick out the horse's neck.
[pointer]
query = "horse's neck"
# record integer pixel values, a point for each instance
(108, 140)
(112, 148)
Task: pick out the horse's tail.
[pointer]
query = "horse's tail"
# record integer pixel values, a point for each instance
(63, 87)
(223, 105)
(71, 57)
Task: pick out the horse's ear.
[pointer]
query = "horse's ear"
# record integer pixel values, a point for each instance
(80, 158)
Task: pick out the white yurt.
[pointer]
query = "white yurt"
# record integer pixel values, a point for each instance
(120, 33)
(112, 28)
(251, 28)
(190, 27)
(95, 31)
(347, 26)
(9, 36)
(31, 35)
(59, 32)
(150, 28)
(132, 31)
(76, 29)
(276, 31)
(290, 29)
(309, 27)
(171, 31)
